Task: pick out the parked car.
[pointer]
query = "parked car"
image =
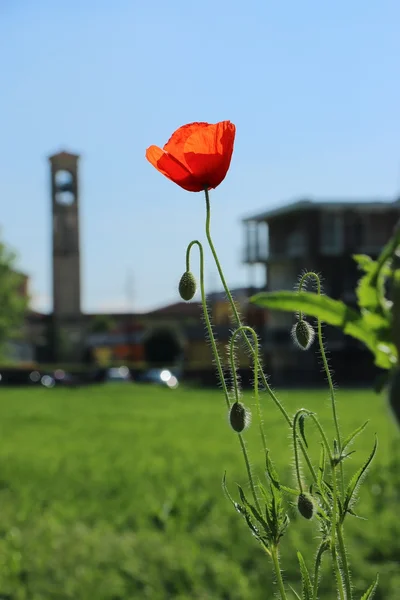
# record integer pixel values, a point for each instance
(118, 374)
(159, 377)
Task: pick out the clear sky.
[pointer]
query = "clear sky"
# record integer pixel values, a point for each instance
(313, 88)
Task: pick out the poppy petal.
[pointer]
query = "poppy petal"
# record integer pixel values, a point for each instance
(208, 152)
(177, 141)
(169, 166)
(197, 156)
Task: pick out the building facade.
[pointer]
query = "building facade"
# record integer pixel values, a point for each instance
(321, 237)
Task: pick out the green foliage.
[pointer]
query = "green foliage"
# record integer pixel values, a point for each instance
(305, 578)
(355, 481)
(370, 593)
(113, 492)
(12, 304)
(370, 329)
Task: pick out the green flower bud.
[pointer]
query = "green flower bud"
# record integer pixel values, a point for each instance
(305, 506)
(187, 286)
(303, 334)
(239, 417)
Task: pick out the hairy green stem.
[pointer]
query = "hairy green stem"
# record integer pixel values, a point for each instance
(207, 316)
(233, 306)
(345, 564)
(250, 330)
(313, 275)
(335, 559)
(318, 560)
(278, 572)
(296, 451)
(216, 356)
(239, 324)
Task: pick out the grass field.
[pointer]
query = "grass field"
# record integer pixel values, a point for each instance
(114, 493)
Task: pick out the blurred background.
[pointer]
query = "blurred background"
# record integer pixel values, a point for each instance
(113, 435)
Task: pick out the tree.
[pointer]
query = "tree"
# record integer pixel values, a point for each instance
(102, 324)
(13, 303)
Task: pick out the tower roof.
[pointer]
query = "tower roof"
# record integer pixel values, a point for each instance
(63, 155)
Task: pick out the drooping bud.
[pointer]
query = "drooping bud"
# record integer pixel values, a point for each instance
(187, 286)
(303, 334)
(305, 506)
(239, 417)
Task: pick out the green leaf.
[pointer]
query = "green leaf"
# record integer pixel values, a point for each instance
(253, 509)
(289, 490)
(338, 314)
(371, 590)
(351, 437)
(332, 312)
(364, 261)
(302, 419)
(272, 474)
(305, 578)
(242, 510)
(356, 480)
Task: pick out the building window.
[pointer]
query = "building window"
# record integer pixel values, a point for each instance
(331, 233)
(296, 244)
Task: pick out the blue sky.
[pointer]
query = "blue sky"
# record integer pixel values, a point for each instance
(313, 88)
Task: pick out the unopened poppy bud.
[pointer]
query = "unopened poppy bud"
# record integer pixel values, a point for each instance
(303, 334)
(239, 417)
(305, 506)
(187, 286)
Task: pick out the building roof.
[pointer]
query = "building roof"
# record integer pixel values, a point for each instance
(377, 205)
(184, 309)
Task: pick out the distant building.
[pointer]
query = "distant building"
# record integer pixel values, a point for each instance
(322, 237)
(173, 335)
(170, 335)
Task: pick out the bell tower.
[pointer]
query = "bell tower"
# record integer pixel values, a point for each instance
(67, 330)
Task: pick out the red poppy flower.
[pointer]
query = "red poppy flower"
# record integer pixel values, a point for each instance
(197, 156)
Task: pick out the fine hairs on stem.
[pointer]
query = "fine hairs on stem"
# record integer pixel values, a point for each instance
(320, 499)
(217, 357)
(336, 526)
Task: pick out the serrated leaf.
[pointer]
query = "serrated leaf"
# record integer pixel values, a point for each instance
(323, 547)
(371, 590)
(353, 514)
(302, 419)
(351, 437)
(252, 509)
(272, 474)
(226, 491)
(355, 480)
(305, 578)
(288, 490)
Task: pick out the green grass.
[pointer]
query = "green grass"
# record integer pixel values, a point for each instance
(114, 492)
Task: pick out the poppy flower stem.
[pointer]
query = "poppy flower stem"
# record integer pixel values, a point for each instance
(218, 359)
(234, 309)
(247, 341)
(207, 316)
